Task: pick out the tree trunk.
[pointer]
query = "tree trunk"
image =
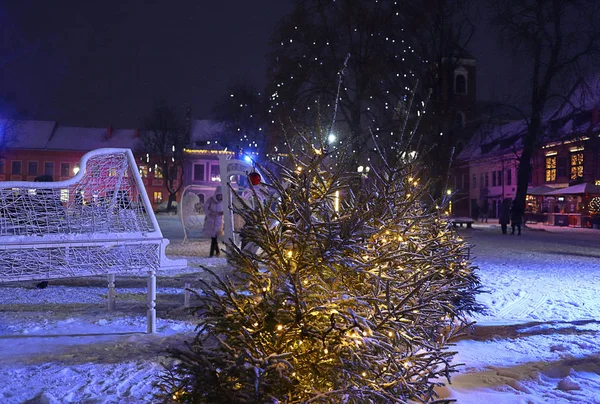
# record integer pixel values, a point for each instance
(172, 198)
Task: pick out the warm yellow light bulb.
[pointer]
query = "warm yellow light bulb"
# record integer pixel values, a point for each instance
(255, 324)
(279, 327)
(289, 253)
(325, 351)
(391, 334)
(364, 374)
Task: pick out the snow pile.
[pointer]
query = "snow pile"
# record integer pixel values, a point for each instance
(538, 343)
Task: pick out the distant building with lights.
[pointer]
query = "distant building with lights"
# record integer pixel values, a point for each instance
(48, 148)
(565, 175)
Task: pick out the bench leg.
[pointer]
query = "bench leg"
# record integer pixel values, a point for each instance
(469, 225)
(111, 292)
(151, 314)
(186, 295)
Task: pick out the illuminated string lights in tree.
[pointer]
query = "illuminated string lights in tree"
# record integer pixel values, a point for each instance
(345, 291)
(309, 50)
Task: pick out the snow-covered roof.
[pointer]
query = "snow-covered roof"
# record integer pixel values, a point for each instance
(85, 139)
(493, 139)
(205, 129)
(578, 114)
(33, 134)
(49, 135)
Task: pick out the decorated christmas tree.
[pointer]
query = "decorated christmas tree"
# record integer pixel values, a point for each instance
(348, 289)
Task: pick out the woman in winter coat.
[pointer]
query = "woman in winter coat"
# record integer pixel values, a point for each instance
(213, 221)
(504, 215)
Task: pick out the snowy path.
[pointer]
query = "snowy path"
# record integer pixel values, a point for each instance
(538, 343)
(540, 340)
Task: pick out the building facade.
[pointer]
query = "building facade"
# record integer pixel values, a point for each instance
(567, 154)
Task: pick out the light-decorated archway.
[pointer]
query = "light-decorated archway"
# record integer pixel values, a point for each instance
(234, 174)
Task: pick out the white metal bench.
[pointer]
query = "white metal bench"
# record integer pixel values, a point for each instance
(462, 220)
(100, 222)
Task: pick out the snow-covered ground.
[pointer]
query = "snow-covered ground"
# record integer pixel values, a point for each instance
(538, 343)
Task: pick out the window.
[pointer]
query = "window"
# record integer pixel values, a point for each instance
(49, 168)
(460, 83)
(157, 197)
(500, 178)
(198, 172)
(550, 168)
(459, 120)
(576, 165)
(215, 173)
(65, 169)
(16, 167)
(481, 180)
(487, 180)
(143, 171)
(493, 178)
(463, 181)
(2, 164)
(509, 177)
(32, 168)
(474, 180)
(157, 172)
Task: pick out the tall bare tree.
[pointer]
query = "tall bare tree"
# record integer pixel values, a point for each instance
(391, 44)
(560, 39)
(242, 114)
(164, 137)
(10, 125)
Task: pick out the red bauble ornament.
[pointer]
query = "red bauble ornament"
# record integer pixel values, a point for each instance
(254, 178)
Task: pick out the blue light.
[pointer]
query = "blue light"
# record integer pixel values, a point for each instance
(247, 159)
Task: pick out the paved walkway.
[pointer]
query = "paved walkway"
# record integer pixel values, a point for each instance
(540, 226)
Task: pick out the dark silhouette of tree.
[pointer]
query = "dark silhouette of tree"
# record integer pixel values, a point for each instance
(391, 45)
(241, 113)
(164, 137)
(560, 39)
(10, 125)
(311, 46)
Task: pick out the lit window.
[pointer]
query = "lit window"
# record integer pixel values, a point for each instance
(143, 170)
(215, 173)
(550, 168)
(157, 197)
(576, 165)
(64, 195)
(157, 172)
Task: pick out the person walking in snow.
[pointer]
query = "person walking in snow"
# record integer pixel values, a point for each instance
(516, 217)
(213, 221)
(504, 215)
(485, 211)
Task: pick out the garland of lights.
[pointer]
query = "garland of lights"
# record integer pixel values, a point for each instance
(594, 205)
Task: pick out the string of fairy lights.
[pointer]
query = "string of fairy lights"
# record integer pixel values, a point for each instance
(311, 46)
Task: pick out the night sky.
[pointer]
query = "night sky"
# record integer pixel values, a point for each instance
(93, 63)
